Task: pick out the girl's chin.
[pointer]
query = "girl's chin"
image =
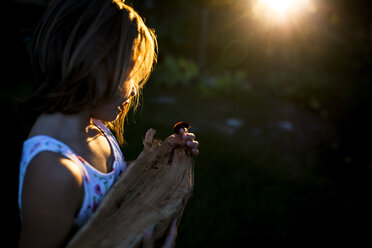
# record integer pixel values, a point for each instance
(107, 114)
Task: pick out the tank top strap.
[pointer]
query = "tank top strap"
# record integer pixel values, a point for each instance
(41, 143)
(107, 133)
(119, 161)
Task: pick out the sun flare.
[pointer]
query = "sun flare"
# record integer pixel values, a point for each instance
(281, 9)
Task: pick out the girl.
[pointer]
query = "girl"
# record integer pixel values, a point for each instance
(91, 57)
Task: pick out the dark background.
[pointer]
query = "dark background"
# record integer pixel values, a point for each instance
(281, 111)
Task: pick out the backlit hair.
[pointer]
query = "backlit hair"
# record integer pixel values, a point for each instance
(73, 37)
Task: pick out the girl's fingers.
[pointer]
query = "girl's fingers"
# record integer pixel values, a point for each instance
(188, 136)
(176, 140)
(183, 130)
(185, 138)
(195, 152)
(192, 144)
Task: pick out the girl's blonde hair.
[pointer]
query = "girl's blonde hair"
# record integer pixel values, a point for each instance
(73, 37)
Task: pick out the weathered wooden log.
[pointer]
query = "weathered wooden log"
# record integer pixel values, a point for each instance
(150, 194)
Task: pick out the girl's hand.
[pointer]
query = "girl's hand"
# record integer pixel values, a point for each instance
(183, 137)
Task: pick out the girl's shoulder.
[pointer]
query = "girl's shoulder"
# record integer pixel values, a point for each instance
(50, 176)
(49, 165)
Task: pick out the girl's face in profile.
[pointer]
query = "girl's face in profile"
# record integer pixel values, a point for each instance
(110, 110)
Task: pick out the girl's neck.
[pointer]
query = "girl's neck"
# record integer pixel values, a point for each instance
(62, 126)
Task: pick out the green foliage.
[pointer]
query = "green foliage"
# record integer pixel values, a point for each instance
(225, 84)
(174, 72)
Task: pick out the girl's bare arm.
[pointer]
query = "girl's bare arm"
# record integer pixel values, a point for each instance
(51, 196)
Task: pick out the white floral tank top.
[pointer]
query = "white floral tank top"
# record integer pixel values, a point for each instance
(96, 183)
